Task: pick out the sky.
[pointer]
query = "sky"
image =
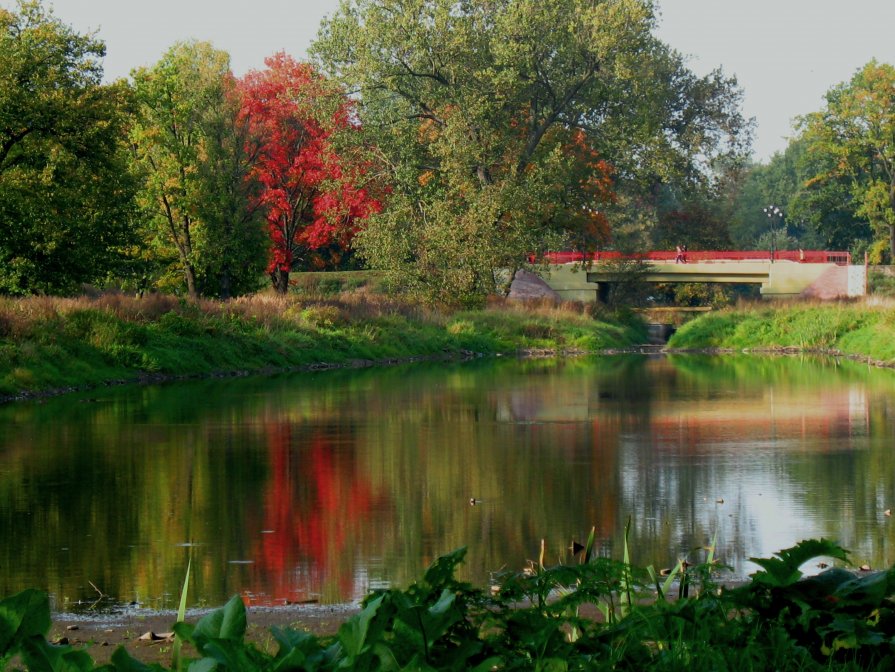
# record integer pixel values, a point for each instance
(785, 54)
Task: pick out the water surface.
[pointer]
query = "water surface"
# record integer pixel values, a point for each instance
(321, 486)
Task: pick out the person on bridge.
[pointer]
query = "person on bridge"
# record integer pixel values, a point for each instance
(681, 257)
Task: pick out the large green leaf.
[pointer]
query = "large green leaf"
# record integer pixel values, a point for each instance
(233, 655)
(23, 615)
(122, 661)
(353, 633)
(41, 656)
(430, 623)
(296, 649)
(869, 590)
(441, 574)
(228, 622)
(784, 570)
(204, 665)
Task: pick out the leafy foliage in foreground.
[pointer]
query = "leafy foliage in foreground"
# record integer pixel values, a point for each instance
(836, 620)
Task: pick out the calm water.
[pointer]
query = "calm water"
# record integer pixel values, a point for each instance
(322, 486)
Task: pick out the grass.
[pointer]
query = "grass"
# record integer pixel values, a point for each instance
(862, 329)
(49, 343)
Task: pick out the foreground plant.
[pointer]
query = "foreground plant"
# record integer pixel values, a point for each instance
(537, 620)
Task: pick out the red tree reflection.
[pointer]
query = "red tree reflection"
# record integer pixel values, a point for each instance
(316, 512)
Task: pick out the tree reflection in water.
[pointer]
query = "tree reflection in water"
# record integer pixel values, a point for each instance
(317, 487)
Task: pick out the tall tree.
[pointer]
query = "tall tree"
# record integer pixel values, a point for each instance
(311, 195)
(234, 240)
(778, 182)
(189, 146)
(472, 108)
(66, 196)
(851, 143)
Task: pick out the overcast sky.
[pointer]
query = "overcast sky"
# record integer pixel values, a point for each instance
(785, 53)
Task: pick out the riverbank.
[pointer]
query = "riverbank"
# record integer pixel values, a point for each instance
(861, 330)
(54, 345)
(149, 636)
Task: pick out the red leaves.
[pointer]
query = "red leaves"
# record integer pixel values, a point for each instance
(593, 179)
(310, 194)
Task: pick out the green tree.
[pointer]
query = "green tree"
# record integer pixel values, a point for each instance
(825, 206)
(234, 240)
(851, 145)
(190, 149)
(818, 213)
(66, 196)
(498, 123)
(777, 182)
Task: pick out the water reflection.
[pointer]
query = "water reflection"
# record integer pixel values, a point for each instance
(317, 487)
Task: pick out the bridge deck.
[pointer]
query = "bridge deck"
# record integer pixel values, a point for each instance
(729, 272)
(800, 256)
(825, 276)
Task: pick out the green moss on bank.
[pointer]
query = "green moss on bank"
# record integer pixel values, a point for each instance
(854, 328)
(56, 343)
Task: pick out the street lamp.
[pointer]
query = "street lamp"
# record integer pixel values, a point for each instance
(773, 211)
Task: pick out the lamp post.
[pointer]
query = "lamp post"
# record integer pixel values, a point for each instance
(773, 211)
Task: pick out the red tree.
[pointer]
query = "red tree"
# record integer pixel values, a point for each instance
(312, 197)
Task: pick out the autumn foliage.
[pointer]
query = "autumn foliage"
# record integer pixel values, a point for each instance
(592, 188)
(312, 197)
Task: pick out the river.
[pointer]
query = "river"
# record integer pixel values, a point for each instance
(317, 487)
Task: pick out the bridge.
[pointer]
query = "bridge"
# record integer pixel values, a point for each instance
(786, 273)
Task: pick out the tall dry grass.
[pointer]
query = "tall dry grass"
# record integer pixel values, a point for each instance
(548, 308)
(20, 317)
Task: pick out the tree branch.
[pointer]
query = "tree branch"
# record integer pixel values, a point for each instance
(9, 143)
(434, 76)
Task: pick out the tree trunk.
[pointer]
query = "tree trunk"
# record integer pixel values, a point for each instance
(280, 280)
(190, 274)
(225, 284)
(892, 226)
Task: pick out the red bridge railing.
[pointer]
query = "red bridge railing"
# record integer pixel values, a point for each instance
(799, 256)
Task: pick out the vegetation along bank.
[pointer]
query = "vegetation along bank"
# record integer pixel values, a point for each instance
(51, 345)
(862, 329)
(55, 344)
(539, 619)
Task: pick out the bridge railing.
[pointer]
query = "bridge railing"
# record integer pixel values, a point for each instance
(799, 256)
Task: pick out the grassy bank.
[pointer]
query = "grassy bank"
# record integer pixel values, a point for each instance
(52, 343)
(863, 329)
